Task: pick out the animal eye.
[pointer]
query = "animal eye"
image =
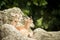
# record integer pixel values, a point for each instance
(15, 21)
(0, 19)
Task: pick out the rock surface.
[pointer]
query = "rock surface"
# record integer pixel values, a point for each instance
(9, 32)
(41, 34)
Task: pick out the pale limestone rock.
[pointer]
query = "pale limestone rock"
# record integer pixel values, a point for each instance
(41, 34)
(8, 31)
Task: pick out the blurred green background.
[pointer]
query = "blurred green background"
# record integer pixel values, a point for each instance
(45, 13)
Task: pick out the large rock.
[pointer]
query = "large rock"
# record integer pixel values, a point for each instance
(41, 34)
(9, 32)
(55, 35)
(6, 15)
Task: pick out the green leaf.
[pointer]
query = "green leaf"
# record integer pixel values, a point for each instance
(26, 11)
(28, 3)
(42, 3)
(39, 2)
(39, 21)
(35, 3)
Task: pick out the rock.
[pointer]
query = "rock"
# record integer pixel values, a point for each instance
(9, 32)
(55, 35)
(41, 34)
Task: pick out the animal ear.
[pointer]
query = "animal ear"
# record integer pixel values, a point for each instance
(31, 17)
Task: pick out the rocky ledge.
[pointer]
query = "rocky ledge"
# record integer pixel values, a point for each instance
(9, 32)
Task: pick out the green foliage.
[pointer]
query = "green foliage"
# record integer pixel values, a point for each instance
(26, 11)
(39, 22)
(39, 2)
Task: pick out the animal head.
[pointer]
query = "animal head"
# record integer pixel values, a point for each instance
(29, 22)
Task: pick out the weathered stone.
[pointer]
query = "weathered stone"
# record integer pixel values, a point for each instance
(41, 34)
(9, 32)
(55, 35)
